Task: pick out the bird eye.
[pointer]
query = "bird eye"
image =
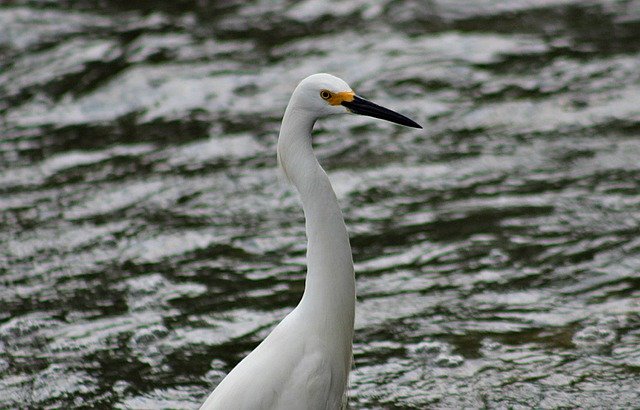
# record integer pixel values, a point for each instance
(325, 94)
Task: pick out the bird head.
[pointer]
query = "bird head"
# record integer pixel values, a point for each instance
(324, 94)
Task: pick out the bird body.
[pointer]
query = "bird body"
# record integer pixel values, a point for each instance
(304, 362)
(302, 377)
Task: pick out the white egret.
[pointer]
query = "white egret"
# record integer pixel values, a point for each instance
(304, 362)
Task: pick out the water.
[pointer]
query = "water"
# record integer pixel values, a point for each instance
(147, 243)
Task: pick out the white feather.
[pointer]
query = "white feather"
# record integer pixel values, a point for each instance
(304, 362)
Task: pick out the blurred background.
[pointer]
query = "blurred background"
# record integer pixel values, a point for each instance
(147, 244)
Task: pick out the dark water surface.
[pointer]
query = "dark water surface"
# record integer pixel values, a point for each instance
(147, 244)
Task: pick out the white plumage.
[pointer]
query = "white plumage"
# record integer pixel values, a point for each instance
(304, 362)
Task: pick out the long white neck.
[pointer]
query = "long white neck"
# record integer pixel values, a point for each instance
(329, 296)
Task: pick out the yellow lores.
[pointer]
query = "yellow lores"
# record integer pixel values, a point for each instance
(337, 98)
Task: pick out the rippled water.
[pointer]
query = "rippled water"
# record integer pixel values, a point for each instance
(147, 244)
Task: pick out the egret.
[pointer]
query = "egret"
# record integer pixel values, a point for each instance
(304, 362)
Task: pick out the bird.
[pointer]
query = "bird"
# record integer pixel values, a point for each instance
(304, 362)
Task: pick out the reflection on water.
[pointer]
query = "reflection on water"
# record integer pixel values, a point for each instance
(147, 244)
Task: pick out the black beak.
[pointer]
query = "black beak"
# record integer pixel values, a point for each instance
(364, 107)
